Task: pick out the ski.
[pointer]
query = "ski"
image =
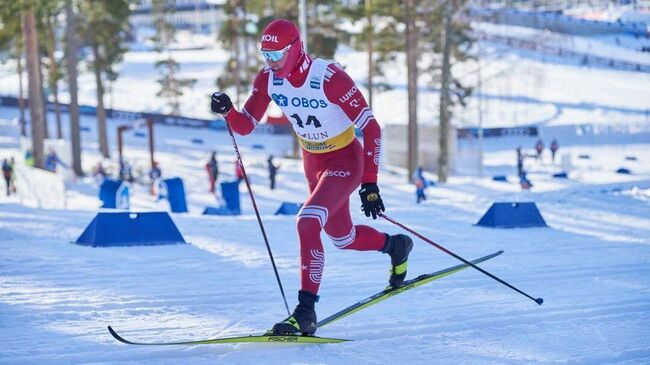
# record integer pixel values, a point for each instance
(362, 304)
(408, 284)
(238, 339)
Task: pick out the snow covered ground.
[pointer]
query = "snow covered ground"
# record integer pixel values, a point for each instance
(591, 265)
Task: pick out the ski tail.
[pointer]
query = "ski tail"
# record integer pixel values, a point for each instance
(409, 284)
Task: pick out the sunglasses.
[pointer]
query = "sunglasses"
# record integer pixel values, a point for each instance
(275, 56)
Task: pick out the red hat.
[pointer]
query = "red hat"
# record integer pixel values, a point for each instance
(280, 34)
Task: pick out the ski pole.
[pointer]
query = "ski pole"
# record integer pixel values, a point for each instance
(257, 214)
(537, 300)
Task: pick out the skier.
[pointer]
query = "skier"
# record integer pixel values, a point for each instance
(12, 164)
(520, 161)
(324, 106)
(99, 172)
(126, 172)
(213, 170)
(154, 176)
(524, 183)
(29, 158)
(7, 172)
(554, 147)
(273, 170)
(539, 148)
(52, 160)
(239, 174)
(420, 183)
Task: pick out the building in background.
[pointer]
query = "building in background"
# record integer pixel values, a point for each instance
(395, 146)
(197, 16)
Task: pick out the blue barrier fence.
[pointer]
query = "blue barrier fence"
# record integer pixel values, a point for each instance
(216, 124)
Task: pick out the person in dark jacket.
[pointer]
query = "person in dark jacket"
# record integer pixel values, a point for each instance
(554, 147)
(520, 161)
(154, 175)
(7, 173)
(539, 148)
(212, 167)
(273, 170)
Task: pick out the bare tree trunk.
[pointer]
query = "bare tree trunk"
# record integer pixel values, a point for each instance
(443, 159)
(21, 100)
(53, 70)
(412, 86)
(235, 46)
(43, 94)
(110, 94)
(101, 112)
(34, 87)
(71, 65)
(369, 46)
(247, 55)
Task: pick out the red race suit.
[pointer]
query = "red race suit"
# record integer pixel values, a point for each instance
(324, 106)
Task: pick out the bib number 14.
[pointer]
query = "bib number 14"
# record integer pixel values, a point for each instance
(311, 120)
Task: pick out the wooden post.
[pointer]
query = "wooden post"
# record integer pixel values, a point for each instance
(151, 146)
(120, 129)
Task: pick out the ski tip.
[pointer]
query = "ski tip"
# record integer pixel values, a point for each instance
(116, 336)
(539, 301)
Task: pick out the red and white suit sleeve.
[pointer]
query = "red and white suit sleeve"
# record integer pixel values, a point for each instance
(341, 90)
(246, 121)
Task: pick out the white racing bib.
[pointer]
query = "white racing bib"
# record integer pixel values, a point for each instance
(320, 125)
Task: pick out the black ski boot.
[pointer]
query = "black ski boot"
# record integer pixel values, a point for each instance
(302, 320)
(398, 247)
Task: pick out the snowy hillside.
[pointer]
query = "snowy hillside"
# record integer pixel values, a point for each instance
(518, 87)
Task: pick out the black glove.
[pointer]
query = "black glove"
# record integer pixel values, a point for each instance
(371, 202)
(220, 103)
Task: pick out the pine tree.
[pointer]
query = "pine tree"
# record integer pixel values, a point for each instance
(105, 26)
(71, 47)
(11, 41)
(236, 34)
(49, 12)
(34, 84)
(171, 86)
(453, 46)
(412, 84)
(416, 28)
(242, 30)
(400, 31)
